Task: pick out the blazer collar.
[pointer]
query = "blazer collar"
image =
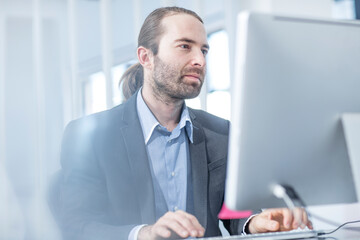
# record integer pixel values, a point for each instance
(199, 171)
(138, 161)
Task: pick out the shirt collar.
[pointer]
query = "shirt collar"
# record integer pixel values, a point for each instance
(149, 122)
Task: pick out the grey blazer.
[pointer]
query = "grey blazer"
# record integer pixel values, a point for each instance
(106, 187)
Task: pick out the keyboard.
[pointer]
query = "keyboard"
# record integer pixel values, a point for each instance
(296, 234)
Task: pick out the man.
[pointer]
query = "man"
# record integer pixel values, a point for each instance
(152, 168)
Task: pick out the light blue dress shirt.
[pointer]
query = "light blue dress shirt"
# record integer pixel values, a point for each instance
(169, 160)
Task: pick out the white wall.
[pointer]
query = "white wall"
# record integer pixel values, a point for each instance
(315, 8)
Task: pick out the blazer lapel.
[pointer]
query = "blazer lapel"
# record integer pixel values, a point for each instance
(199, 172)
(138, 161)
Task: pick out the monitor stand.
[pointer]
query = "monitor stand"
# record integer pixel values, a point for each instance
(288, 194)
(351, 125)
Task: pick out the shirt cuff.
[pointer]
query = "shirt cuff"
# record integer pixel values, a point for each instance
(245, 230)
(133, 235)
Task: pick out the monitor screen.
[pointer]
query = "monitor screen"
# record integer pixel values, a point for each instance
(294, 78)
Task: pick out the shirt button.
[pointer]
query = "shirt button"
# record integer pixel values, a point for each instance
(172, 174)
(159, 128)
(170, 141)
(176, 208)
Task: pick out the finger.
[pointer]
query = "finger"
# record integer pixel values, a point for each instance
(310, 225)
(161, 231)
(262, 223)
(298, 218)
(287, 218)
(306, 220)
(194, 222)
(170, 223)
(191, 223)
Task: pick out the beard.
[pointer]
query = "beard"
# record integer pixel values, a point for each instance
(168, 81)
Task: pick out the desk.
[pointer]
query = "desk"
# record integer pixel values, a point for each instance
(344, 234)
(337, 214)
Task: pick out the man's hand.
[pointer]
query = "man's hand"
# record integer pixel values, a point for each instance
(177, 224)
(279, 219)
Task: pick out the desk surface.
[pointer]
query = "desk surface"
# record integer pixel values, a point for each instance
(337, 214)
(342, 234)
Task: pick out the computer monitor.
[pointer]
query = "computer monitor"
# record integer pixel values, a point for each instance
(294, 78)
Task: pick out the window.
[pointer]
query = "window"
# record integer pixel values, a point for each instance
(94, 89)
(117, 72)
(344, 9)
(218, 75)
(94, 93)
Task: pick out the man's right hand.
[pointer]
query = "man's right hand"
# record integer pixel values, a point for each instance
(177, 224)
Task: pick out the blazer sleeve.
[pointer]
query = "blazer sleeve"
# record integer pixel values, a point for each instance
(83, 210)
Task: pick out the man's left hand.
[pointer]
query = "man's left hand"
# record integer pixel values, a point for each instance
(279, 219)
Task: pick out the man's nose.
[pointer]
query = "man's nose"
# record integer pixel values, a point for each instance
(198, 59)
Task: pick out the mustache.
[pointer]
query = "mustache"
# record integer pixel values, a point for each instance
(198, 71)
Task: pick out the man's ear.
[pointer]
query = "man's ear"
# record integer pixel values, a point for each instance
(145, 57)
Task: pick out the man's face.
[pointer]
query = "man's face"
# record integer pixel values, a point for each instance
(179, 66)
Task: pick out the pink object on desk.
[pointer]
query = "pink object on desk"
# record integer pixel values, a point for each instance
(226, 213)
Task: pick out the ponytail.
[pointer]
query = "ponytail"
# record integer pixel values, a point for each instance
(132, 80)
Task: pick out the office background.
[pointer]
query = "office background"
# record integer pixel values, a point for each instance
(62, 59)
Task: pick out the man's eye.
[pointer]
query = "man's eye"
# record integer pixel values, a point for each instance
(185, 46)
(205, 51)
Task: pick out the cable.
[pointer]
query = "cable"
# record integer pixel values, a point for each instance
(327, 233)
(324, 220)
